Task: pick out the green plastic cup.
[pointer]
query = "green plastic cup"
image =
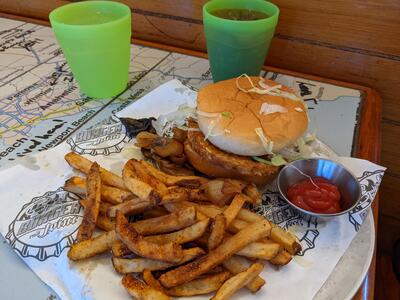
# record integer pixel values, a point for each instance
(235, 47)
(95, 38)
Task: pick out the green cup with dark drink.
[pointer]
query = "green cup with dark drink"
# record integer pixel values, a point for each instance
(238, 34)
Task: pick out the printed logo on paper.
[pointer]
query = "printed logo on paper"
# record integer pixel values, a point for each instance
(45, 226)
(277, 210)
(104, 138)
(369, 182)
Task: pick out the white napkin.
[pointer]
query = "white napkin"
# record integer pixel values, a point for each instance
(40, 220)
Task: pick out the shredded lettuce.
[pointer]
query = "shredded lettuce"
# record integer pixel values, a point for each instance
(276, 160)
(267, 144)
(226, 114)
(164, 123)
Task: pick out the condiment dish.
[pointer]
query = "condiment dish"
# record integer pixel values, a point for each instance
(334, 172)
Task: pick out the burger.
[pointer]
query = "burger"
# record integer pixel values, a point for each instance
(246, 128)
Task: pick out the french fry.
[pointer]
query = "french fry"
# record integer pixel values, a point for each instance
(190, 271)
(109, 194)
(103, 207)
(130, 207)
(137, 265)
(285, 238)
(105, 223)
(236, 264)
(253, 193)
(185, 235)
(177, 206)
(167, 223)
(153, 282)
(170, 252)
(233, 209)
(249, 216)
(83, 164)
(200, 286)
(143, 175)
(140, 290)
(171, 180)
(141, 189)
(258, 250)
(283, 258)
(93, 188)
(93, 246)
(157, 211)
(119, 249)
(238, 281)
(212, 210)
(182, 236)
(218, 226)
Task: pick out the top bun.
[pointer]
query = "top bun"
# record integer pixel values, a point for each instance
(228, 116)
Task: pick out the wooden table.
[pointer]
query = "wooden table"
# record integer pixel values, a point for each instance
(367, 142)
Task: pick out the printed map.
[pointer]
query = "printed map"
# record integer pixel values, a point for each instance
(40, 103)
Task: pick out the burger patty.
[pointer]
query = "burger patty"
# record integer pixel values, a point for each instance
(209, 159)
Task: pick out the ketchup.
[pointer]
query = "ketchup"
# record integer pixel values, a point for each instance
(318, 195)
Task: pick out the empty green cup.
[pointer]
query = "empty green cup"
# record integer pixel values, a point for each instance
(95, 38)
(234, 46)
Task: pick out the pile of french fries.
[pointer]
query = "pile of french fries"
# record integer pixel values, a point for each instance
(184, 245)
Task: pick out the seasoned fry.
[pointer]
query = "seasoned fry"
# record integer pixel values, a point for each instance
(286, 239)
(83, 164)
(141, 189)
(153, 282)
(109, 194)
(190, 271)
(103, 207)
(184, 194)
(233, 209)
(167, 223)
(170, 252)
(172, 180)
(283, 258)
(185, 235)
(177, 206)
(253, 193)
(130, 207)
(105, 223)
(119, 249)
(238, 281)
(137, 265)
(249, 216)
(236, 264)
(93, 187)
(143, 175)
(140, 290)
(278, 234)
(155, 212)
(93, 246)
(266, 250)
(213, 191)
(175, 195)
(200, 286)
(218, 226)
(211, 211)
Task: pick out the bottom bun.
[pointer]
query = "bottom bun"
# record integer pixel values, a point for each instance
(210, 160)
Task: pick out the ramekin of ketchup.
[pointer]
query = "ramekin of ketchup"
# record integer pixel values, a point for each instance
(315, 194)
